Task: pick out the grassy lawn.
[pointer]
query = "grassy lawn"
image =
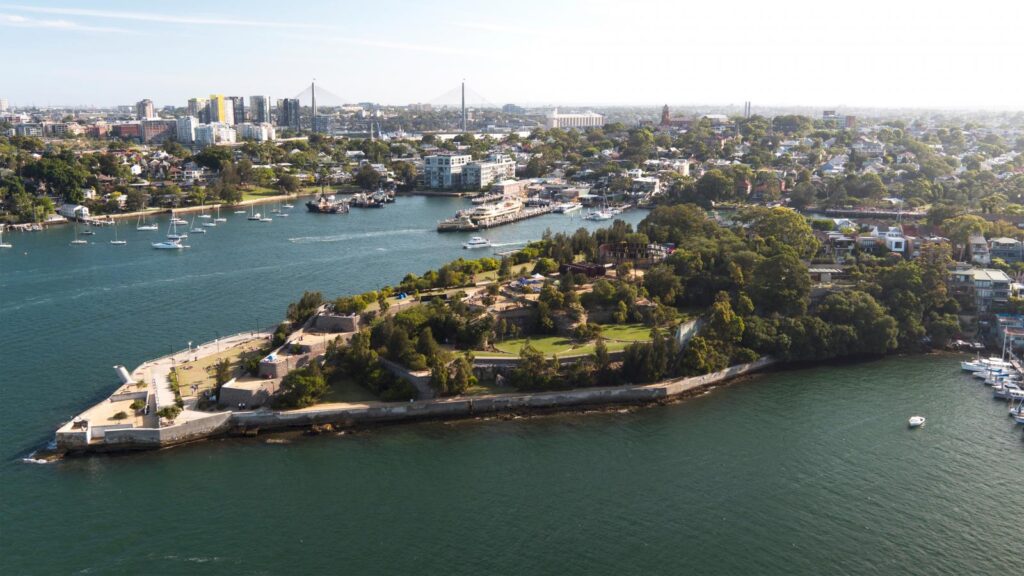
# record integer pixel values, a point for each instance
(517, 271)
(348, 390)
(257, 192)
(201, 372)
(626, 332)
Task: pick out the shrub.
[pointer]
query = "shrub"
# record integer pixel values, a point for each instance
(138, 404)
(169, 412)
(120, 415)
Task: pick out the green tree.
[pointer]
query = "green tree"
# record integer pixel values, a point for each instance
(302, 387)
(781, 284)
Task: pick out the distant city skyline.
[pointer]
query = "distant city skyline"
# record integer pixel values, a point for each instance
(602, 53)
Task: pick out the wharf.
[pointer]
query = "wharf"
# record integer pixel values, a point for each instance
(510, 218)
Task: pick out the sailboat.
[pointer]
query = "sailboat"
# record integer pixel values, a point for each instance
(218, 218)
(2, 243)
(115, 241)
(203, 215)
(77, 240)
(88, 230)
(172, 231)
(176, 220)
(142, 224)
(288, 206)
(196, 229)
(253, 215)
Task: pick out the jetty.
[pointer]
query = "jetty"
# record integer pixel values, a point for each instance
(463, 223)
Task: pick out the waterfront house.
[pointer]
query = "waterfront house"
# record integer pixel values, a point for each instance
(1009, 250)
(989, 288)
(978, 247)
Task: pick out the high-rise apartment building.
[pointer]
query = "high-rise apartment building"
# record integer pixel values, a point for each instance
(3, 104)
(288, 114)
(186, 129)
(144, 109)
(222, 109)
(238, 104)
(200, 108)
(259, 109)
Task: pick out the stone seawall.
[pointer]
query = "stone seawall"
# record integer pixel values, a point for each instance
(351, 415)
(449, 408)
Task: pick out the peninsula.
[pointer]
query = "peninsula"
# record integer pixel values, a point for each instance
(686, 300)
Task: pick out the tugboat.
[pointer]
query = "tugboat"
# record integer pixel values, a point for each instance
(325, 206)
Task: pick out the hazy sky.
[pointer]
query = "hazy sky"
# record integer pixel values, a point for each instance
(830, 54)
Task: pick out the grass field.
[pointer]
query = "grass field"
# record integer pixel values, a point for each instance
(348, 390)
(201, 372)
(617, 337)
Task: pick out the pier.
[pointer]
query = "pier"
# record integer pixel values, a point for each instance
(510, 218)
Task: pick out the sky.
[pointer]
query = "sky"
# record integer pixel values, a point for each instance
(867, 53)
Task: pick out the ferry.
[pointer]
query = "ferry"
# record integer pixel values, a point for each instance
(490, 211)
(476, 242)
(461, 223)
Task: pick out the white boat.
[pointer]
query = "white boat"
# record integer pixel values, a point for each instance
(239, 211)
(476, 242)
(78, 241)
(218, 218)
(115, 241)
(598, 215)
(210, 224)
(195, 229)
(916, 421)
(1017, 410)
(2, 243)
(172, 232)
(984, 364)
(288, 206)
(253, 215)
(568, 207)
(178, 221)
(266, 219)
(169, 245)
(143, 225)
(1007, 391)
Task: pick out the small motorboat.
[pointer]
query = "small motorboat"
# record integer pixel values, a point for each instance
(476, 242)
(266, 219)
(239, 211)
(916, 421)
(288, 206)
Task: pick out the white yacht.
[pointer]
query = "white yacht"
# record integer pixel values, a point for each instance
(266, 219)
(984, 364)
(2, 243)
(567, 207)
(172, 232)
(195, 229)
(115, 241)
(599, 215)
(169, 245)
(218, 218)
(288, 206)
(916, 421)
(476, 242)
(143, 225)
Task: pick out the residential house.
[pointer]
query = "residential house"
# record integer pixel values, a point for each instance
(978, 247)
(989, 288)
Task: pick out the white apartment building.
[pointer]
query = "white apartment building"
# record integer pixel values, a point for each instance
(444, 170)
(260, 132)
(3, 104)
(185, 130)
(210, 134)
(479, 175)
(587, 119)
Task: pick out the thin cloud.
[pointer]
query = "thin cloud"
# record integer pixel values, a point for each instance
(17, 21)
(372, 43)
(162, 18)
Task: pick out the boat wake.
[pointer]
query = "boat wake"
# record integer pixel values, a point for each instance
(345, 237)
(500, 244)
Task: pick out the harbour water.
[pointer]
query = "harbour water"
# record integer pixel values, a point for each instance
(796, 472)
